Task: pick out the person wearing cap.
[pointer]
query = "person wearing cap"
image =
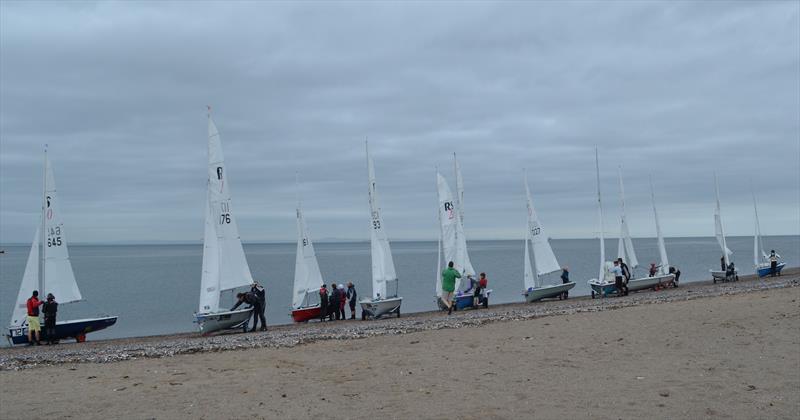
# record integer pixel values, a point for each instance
(50, 308)
(34, 327)
(261, 294)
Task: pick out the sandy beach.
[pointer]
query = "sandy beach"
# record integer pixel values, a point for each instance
(698, 351)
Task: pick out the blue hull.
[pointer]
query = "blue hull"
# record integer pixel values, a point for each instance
(468, 301)
(603, 291)
(766, 271)
(65, 329)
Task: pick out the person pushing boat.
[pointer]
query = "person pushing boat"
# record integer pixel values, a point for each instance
(618, 277)
(565, 280)
(252, 300)
(773, 263)
(449, 276)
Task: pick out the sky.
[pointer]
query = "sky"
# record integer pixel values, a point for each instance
(673, 91)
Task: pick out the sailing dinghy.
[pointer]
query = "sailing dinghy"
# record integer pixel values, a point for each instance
(719, 231)
(628, 254)
(307, 276)
(544, 260)
(50, 271)
(604, 284)
(760, 257)
(224, 263)
(385, 297)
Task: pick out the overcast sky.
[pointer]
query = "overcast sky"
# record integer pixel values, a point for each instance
(675, 90)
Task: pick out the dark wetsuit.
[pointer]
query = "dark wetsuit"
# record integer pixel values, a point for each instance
(351, 296)
(323, 303)
(252, 300)
(261, 294)
(50, 309)
(565, 280)
(334, 301)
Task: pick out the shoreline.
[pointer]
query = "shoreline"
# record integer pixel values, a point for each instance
(291, 335)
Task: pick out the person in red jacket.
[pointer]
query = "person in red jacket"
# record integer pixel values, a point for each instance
(34, 327)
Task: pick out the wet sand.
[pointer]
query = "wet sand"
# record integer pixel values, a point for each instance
(733, 353)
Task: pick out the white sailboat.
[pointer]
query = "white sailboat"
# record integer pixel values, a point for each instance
(50, 271)
(761, 260)
(544, 260)
(662, 277)
(628, 254)
(605, 282)
(307, 276)
(385, 297)
(224, 264)
(719, 231)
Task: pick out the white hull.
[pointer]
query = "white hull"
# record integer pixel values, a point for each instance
(650, 282)
(378, 308)
(210, 322)
(718, 275)
(549, 291)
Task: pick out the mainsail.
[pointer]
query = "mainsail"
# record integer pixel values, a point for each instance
(601, 276)
(382, 263)
(662, 249)
(625, 247)
(307, 276)
(719, 231)
(453, 248)
(544, 260)
(758, 245)
(227, 268)
(30, 282)
(461, 238)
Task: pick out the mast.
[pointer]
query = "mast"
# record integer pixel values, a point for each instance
(662, 250)
(600, 213)
(44, 215)
(719, 220)
(758, 243)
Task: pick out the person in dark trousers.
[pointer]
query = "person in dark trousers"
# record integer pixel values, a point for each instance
(722, 264)
(323, 303)
(626, 273)
(261, 294)
(333, 303)
(677, 273)
(618, 277)
(351, 297)
(50, 308)
(34, 327)
(773, 263)
(342, 301)
(565, 280)
(252, 300)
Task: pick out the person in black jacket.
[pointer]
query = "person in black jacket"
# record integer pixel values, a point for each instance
(333, 303)
(261, 294)
(50, 308)
(252, 300)
(351, 297)
(323, 303)
(626, 272)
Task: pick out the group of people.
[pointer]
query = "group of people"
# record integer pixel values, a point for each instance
(332, 304)
(257, 299)
(49, 309)
(622, 275)
(476, 287)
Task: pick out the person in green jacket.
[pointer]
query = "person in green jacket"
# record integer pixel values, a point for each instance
(449, 276)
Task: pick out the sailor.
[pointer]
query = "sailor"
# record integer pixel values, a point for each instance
(252, 300)
(653, 269)
(342, 301)
(480, 290)
(351, 297)
(677, 273)
(722, 263)
(773, 262)
(618, 277)
(730, 273)
(50, 308)
(626, 273)
(261, 294)
(565, 280)
(449, 276)
(333, 303)
(323, 302)
(34, 328)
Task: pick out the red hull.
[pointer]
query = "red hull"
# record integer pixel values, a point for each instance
(306, 314)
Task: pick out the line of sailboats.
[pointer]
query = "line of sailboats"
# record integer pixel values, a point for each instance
(225, 267)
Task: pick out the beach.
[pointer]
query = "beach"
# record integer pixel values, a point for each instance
(698, 351)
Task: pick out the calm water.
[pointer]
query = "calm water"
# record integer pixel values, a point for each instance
(154, 289)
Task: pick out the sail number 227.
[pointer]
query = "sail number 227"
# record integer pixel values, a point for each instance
(54, 236)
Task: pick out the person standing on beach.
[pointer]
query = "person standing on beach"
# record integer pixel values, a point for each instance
(564, 280)
(34, 327)
(252, 300)
(351, 297)
(342, 301)
(722, 264)
(323, 303)
(261, 294)
(677, 273)
(773, 263)
(618, 277)
(449, 276)
(626, 273)
(50, 308)
(333, 303)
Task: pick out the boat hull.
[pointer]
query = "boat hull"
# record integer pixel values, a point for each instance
(306, 314)
(215, 321)
(651, 282)
(467, 301)
(377, 308)
(76, 329)
(550, 291)
(719, 275)
(764, 271)
(602, 289)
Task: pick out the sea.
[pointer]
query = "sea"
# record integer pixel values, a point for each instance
(154, 289)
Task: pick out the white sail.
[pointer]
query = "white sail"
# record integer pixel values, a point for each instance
(461, 238)
(544, 259)
(452, 248)
(209, 279)
(529, 278)
(625, 247)
(758, 245)
(30, 282)
(382, 263)
(601, 276)
(58, 277)
(307, 276)
(233, 269)
(719, 231)
(439, 263)
(662, 249)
